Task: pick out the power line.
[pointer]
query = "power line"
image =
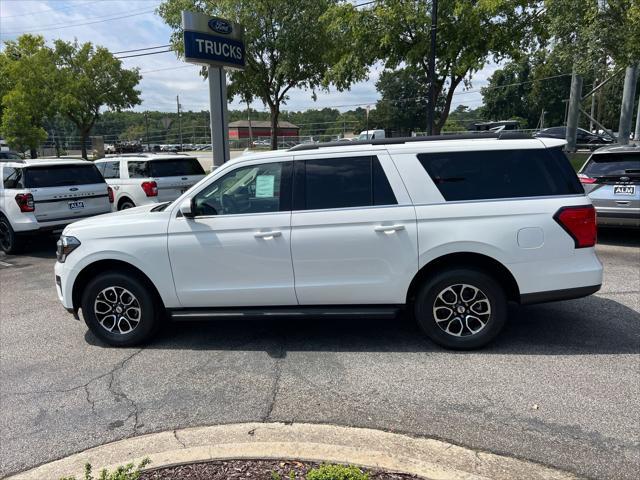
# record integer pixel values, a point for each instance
(144, 54)
(78, 24)
(141, 49)
(49, 10)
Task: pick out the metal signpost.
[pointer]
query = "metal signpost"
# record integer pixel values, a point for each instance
(215, 43)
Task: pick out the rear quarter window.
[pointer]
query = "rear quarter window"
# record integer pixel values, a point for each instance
(176, 168)
(482, 175)
(62, 176)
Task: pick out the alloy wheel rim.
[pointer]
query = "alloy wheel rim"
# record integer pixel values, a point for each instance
(117, 310)
(461, 310)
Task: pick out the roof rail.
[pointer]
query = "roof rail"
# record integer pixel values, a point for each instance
(400, 140)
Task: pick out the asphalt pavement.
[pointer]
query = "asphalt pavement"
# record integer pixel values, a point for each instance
(560, 386)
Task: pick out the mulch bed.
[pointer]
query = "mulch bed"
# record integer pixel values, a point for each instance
(253, 469)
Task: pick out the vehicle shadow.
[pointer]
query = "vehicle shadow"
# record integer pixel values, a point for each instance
(43, 246)
(592, 325)
(619, 237)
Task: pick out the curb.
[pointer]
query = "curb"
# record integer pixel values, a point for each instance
(375, 449)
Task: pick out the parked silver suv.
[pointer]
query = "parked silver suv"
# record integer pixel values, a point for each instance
(611, 178)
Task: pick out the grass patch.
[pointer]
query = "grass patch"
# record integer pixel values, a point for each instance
(337, 472)
(123, 472)
(577, 159)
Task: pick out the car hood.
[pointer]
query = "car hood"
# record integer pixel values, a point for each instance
(126, 223)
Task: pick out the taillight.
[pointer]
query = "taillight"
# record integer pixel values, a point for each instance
(25, 202)
(580, 223)
(110, 193)
(150, 189)
(585, 179)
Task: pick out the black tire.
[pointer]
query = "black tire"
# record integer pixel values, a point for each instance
(148, 320)
(460, 333)
(10, 242)
(125, 204)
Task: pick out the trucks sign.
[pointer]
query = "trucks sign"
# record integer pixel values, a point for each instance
(213, 41)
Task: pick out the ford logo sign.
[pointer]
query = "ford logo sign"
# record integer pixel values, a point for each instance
(220, 26)
(74, 189)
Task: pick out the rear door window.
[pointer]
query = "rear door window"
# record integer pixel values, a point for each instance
(62, 176)
(603, 165)
(341, 183)
(179, 167)
(480, 175)
(138, 169)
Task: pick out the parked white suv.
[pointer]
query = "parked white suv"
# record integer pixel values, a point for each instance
(147, 178)
(45, 195)
(450, 229)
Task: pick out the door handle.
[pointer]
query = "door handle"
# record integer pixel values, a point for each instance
(622, 202)
(268, 235)
(389, 228)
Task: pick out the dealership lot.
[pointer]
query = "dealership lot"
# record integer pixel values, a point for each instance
(560, 386)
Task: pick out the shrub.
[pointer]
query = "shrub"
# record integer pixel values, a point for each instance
(123, 472)
(337, 472)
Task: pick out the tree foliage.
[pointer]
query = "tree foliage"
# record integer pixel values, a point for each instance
(28, 79)
(91, 78)
(287, 45)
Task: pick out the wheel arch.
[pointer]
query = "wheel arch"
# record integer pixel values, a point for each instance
(467, 259)
(124, 198)
(101, 266)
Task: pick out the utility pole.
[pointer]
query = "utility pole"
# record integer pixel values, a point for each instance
(574, 111)
(626, 110)
(636, 136)
(432, 68)
(179, 120)
(146, 124)
(249, 118)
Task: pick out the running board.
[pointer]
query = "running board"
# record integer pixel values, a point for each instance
(324, 311)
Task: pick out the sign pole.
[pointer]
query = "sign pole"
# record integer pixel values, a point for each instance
(218, 115)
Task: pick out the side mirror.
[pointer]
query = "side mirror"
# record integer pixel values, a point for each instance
(186, 208)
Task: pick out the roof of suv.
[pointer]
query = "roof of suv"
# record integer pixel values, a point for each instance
(145, 156)
(46, 162)
(618, 149)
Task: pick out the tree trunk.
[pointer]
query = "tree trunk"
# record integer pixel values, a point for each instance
(275, 113)
(83, 139)
(33, 152)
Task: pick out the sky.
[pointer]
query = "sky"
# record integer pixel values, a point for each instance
(121, 25)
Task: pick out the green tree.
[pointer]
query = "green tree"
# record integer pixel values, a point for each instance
(28, 80)
(91, 78)
(288, 45)
(469, 33)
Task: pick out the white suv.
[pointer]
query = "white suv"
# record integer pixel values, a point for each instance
(45, 195)
(450, 229)
(147, 178)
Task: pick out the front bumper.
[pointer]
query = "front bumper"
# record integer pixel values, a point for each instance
(64, 285)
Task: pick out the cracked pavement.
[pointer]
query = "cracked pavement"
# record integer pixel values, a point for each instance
(559, 387)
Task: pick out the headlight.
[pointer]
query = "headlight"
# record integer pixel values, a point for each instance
(65, 246)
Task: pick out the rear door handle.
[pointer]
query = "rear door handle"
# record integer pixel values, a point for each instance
(268, 235)
(389, 228)
(622, 202)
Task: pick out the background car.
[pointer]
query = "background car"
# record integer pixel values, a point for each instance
(611, 178)
(45, 195)
(583, 136)
(149, 178)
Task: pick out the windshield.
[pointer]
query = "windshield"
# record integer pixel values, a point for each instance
(9, 156)
(176, 167)
(611, 164)
(62, 176)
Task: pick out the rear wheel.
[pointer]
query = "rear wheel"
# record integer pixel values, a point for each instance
(461, 309)
(10, 242)
(125, 204)
(119, 309)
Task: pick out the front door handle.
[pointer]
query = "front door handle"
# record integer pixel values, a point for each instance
(389, 228)
(268, 235)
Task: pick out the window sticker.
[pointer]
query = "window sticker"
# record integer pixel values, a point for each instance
(265, 186)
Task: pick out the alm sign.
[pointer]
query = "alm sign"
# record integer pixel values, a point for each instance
(213, 41)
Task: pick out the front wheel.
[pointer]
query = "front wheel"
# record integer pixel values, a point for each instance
(461, 309)
(119, 309)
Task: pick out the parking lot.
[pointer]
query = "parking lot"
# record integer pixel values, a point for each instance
(559, 387)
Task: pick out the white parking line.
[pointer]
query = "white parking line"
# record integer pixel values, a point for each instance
(5, 264)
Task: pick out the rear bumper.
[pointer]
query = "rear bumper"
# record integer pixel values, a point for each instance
(557, 295)
(627, 218)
